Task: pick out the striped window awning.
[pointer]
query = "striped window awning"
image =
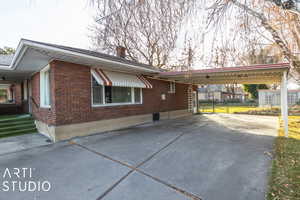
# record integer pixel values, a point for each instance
(109, 78)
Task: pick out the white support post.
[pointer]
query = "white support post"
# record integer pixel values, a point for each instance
(9, 96)
(284, 103)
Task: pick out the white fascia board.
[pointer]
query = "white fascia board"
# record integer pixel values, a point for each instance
(5, 67)
(18, 58)
(283, 68)
(20, 52)
(17, 54)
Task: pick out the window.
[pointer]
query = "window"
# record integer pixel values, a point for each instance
(112, 95)
(172, 88)
(268, 99)
(292, 98)
(45, 87)
(97, 92)
(137, 95)
(117, 94)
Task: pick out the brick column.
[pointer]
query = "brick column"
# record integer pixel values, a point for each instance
(17, 93)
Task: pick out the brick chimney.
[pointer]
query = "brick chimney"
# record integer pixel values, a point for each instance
(121, 51)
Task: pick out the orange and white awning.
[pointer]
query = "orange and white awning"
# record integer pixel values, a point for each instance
(109, 78)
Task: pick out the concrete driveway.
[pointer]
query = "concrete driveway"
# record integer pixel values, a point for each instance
(199, 157)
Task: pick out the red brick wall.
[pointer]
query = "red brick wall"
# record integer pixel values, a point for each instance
(17, 93)
(71, 97)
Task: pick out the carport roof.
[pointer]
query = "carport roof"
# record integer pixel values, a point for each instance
(256, 74)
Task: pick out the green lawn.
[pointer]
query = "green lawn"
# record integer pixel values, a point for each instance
(227, 109)
(294, 127)
(285, 175)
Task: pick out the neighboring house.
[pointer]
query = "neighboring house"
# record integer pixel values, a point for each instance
(272, 97)
(74, 92)
(219, 93)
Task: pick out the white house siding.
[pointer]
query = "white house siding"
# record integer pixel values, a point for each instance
(204, 96)
(272, 97)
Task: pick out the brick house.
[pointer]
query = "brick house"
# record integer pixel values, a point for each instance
(75, 92)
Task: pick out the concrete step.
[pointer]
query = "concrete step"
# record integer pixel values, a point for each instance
(16, 123)
(15, 119)
(17, 127)
(18, 132)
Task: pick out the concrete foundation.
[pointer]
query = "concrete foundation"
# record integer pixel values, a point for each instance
(64, 132)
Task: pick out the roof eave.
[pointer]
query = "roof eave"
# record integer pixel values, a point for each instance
(24, 45)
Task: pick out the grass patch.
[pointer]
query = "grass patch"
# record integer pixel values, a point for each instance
(284, 182)
(251, 110)
(228, 109)
(294, 127)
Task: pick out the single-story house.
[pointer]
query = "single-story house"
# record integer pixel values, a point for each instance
(268, 98)
(73, 92)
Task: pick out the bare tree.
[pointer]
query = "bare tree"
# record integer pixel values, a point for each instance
(289, 5)
(148, 29)
(7, 51)
(266, 14)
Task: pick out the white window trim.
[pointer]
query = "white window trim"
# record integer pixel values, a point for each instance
(141, 96)
(42, 105)
(114, 104)
(25, 90)
(172, 90)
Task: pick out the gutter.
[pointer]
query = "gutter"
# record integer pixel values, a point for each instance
(5, 67)
(178, 73)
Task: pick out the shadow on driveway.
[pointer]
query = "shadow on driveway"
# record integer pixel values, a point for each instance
(188, 158)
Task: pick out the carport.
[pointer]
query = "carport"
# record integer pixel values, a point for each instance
(254, 74)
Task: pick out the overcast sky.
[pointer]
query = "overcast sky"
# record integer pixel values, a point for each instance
(56, 21)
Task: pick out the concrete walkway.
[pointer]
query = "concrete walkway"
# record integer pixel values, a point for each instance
(22, 142)
(200, 157)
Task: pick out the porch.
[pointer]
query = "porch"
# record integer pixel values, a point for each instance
(13, 97)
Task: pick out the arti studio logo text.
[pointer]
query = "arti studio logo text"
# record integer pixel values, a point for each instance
(22, 180)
